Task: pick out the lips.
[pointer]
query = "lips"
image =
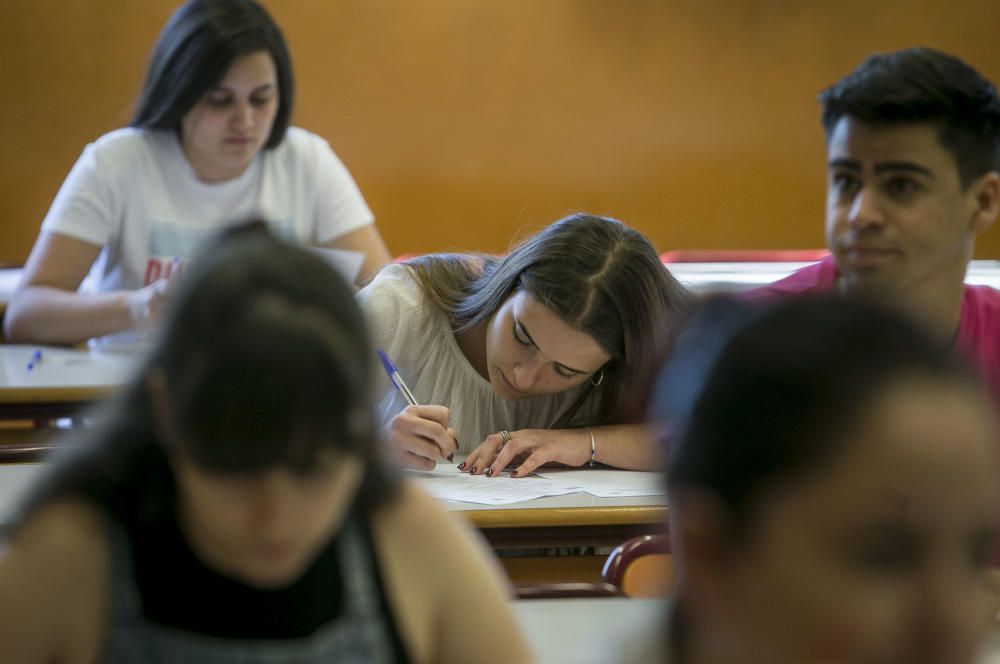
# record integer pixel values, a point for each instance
(868, 256)
(239, 140)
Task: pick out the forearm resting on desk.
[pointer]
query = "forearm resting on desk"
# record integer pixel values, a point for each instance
(628, 446)
(43, 314)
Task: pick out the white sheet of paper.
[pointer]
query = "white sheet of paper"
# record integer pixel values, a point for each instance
(347, 263)
(445, 482)
(607, 483)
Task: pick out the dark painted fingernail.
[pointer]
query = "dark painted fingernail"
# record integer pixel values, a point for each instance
(489, 471)
(513, 473)
(461, 466)
(474, 469)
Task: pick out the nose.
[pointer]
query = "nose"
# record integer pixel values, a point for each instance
(525, 374)
(274, 505)
(866, 209)
(243, 115)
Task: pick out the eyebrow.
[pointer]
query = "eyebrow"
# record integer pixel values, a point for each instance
(882, 167)
(259, 88)
(527, 334)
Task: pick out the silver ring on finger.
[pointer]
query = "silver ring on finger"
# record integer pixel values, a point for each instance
(504, 437)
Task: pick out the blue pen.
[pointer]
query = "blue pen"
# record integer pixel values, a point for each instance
(398, 383)
(36, 357)
(396, 379)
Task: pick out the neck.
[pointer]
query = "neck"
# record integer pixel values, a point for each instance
(472, 343)
(935, 306)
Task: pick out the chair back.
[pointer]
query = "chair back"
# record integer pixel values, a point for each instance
(641, 567)
(563, 590)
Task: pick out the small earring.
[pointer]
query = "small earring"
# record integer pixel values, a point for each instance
(600, 378)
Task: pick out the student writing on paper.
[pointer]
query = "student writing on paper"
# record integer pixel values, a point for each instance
(209, 145)
(536, 356)
(233, 505)
(833, 489)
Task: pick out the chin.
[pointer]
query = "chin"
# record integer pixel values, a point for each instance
(264, 576)
(270, 573)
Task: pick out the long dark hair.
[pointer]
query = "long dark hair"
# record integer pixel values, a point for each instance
(595, 273)
(266, 361)
(194, 51)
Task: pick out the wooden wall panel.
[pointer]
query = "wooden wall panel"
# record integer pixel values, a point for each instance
(468, 121)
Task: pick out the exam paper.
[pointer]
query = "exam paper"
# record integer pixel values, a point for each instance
(447, 483)
(607, 483)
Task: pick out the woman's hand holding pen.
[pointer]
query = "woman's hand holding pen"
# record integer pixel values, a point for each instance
(420, 435)
(529, 448)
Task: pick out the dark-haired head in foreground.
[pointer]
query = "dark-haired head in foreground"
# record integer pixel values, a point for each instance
(262, 369)
(833, 487)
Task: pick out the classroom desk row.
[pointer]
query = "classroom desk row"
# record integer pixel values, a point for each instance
(572, 520)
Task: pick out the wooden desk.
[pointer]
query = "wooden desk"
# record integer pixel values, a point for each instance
(585, 631)
(63, 381)
(576, 519)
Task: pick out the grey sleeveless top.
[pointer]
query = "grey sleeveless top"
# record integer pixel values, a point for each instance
(359, 634)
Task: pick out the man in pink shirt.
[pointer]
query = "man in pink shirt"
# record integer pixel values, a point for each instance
(913, 154)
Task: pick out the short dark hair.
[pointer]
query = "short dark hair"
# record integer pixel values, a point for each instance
(761, 397)
(194, 52)
(267, 361)
(918, 85)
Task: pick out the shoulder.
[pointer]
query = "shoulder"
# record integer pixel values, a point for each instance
(985, 299)
(130, 142)
(818, 277)
(394, 283)
(415, 514)
(56, 566)
(66, 525)
(127, 151)
(981, 314)
(303, 147)
(421, 535)
(448, 592)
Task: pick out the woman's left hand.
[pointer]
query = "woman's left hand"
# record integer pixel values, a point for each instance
(529, 449)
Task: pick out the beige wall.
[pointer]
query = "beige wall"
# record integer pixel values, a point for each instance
(467, 121)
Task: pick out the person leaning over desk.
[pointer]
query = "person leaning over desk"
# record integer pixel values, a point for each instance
(537, 356)
(209, 145)
(833, 489)
(232, 506)
(913, 156)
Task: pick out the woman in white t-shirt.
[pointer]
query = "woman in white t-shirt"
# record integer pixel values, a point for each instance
(209, 145)
(542, 355)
